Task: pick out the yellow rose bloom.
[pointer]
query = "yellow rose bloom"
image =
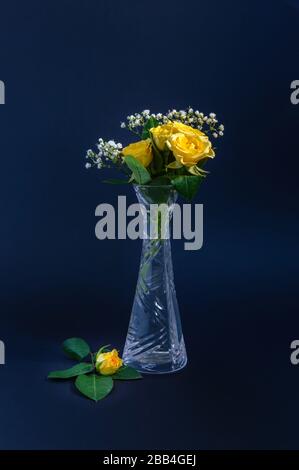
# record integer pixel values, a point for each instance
(162, 133)
(141, 150)
(189, 149)
(184, 129)
(108, 363)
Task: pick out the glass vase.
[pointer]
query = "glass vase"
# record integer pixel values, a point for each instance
(155, 342)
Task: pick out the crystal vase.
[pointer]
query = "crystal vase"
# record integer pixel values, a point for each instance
(155, 342)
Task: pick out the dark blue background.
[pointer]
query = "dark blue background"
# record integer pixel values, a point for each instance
(73, 70)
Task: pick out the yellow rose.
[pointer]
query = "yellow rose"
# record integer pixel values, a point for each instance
(141, 150)
(161, 134)
(184, 129)
(189, 149)
(108, 363)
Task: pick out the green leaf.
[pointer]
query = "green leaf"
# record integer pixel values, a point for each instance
(187, 186)
(141, 175)
(76, 348)
(95, 387)
(127, 373)
(151, 122)
(161, 181)
(78, 369)
(115, 181)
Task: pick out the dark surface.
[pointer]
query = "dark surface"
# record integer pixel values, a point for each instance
(74, 69)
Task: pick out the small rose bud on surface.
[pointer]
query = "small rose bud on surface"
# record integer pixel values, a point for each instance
(107, 363)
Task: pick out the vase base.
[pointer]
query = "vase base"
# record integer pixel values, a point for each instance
(156, 363)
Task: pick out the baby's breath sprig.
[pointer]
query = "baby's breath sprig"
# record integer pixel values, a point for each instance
(136, 122)
(109, 154)
(194, 118)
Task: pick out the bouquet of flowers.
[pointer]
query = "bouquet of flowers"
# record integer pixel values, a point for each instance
(172, 149)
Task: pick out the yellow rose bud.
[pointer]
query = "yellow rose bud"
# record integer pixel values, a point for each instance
(161, 134)
(141, 150)
(108, 363)
(189, 149)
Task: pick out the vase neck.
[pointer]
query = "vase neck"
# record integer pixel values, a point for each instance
(148, 195)
(156, 206)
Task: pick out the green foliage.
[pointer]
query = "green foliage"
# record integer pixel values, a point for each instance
(103, 349)
(76, 348)
(187, 186)
(94, 386)
(127, 373)
(158, 162)
(141, 175)
(161, 181)
(78, 369)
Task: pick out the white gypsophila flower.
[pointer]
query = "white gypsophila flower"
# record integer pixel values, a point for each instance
(221, 133)
(87, 165)
(122, 125)
(194, 118)
(109, 149)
